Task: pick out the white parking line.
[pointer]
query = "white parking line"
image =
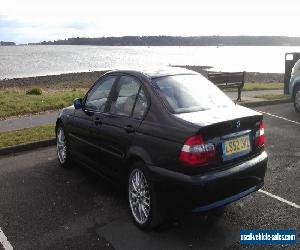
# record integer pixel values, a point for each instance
(288, 120)
(280, 199)
(3, 240)
(265, 192)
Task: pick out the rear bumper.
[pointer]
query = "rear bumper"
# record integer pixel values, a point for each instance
(212, 189)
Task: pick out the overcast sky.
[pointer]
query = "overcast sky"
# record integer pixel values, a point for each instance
(25, 21)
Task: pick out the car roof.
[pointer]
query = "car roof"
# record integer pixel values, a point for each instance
(153, 73)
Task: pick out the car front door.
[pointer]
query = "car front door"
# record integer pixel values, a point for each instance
(86, 122)
(119, 124)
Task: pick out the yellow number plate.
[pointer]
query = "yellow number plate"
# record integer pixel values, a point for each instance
(236, 147)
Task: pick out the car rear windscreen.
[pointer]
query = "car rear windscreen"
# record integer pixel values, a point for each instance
(190, 93)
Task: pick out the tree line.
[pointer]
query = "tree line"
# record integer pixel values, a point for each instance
(2, 43)
(178, 41)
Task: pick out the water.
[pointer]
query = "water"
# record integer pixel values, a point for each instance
(23, 61)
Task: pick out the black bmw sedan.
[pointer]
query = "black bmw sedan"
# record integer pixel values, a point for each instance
(169, 138)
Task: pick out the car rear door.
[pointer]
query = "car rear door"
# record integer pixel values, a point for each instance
(119, 124)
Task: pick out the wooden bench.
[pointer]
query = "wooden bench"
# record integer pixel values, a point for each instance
(226, 80)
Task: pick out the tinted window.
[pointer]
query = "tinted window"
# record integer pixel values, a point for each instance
(189, 93)
(140, 106)
(97, 98)
(129, 89)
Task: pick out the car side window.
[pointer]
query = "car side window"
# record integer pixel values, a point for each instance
(98, 96)
(140, 105)
(129, 88)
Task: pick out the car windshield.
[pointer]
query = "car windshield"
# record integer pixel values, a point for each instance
(190, 93)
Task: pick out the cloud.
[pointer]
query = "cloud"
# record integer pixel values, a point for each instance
(23, 31)
(7, 28)
(6, 22)
(35, 20)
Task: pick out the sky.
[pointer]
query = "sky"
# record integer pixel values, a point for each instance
(24, 21)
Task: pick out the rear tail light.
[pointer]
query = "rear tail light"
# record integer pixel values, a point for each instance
(260, 135)
(195, 152)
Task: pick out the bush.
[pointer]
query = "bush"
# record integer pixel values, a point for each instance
(34, 91)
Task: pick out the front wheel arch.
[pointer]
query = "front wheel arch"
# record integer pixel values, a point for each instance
(296, 102)
(297, 85)
(58, 123)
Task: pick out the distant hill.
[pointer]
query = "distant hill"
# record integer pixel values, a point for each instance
(179, 41)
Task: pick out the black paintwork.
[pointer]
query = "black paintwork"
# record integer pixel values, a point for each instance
(103, 142)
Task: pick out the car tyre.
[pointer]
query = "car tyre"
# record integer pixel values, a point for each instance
(144, 207)
(62, 147)
(297, 99)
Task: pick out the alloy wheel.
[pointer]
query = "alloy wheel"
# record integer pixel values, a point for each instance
(139, 196)
(61, 146)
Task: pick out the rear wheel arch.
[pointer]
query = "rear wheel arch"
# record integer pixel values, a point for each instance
(126, 167)
(135, 153)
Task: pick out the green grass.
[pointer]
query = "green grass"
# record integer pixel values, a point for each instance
(16, 102)
(26, 135)
(273, 97)
(248, 86)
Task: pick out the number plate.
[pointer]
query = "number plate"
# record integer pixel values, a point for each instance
(236, 147)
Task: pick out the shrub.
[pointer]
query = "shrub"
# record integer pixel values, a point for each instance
(34, 91)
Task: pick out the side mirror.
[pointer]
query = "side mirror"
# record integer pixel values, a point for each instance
(78, 103)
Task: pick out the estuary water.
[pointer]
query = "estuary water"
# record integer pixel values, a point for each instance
(24, 61)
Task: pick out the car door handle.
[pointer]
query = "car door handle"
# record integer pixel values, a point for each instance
(129, 129)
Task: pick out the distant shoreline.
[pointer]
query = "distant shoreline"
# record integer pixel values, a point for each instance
(86, 79)
(164, 40)
(118, 45)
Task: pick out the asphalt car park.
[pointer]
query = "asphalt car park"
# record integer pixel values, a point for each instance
(45, 207)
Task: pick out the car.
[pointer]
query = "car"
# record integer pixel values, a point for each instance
(169, 138)
(294, 86)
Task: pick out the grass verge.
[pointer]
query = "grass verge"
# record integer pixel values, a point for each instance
(16, 102)
(273, 97)
(248, 86)
(26, 135)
